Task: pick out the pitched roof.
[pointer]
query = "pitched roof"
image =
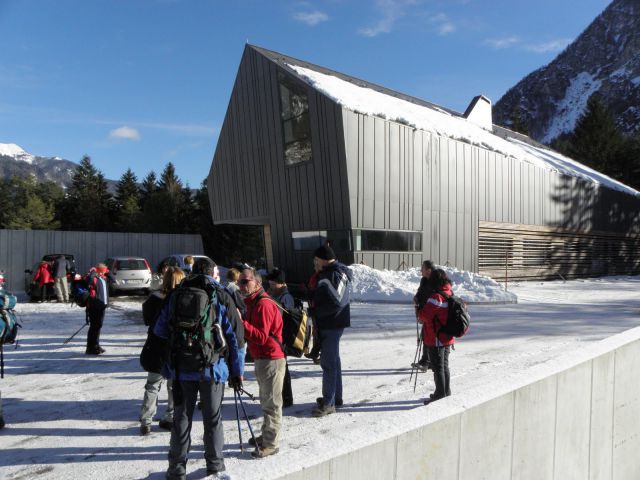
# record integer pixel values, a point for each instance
(368, 98)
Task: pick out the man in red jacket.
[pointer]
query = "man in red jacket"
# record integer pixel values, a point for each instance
(263, 334)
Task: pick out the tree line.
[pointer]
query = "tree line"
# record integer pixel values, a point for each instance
(156, 205)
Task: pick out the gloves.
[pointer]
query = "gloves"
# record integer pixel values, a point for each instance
(235, 382)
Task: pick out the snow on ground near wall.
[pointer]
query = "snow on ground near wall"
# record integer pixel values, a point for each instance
(70, 416)
(371, 285)
(370, 102)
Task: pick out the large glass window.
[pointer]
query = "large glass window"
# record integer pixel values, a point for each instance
(340, 240)
(387, 241)
(294, 111)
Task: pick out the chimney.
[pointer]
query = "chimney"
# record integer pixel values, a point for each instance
(479, 112)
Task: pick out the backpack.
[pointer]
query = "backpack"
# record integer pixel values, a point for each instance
(80, 292)
(8, 324)
(458, 317)
(296, 330)
(101, 298)
(196, 340)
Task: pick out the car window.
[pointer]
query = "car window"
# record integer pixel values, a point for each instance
(131, 264)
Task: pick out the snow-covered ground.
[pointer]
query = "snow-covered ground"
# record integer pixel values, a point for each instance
(73, 416)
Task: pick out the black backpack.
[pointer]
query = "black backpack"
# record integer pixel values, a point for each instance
(296, 330)
(196, 339)
(458, 317)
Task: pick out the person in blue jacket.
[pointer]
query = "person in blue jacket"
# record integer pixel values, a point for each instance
(189, 383)
(331, 313)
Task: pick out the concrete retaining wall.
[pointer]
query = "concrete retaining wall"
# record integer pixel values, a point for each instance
(21, 249)
(577, 420)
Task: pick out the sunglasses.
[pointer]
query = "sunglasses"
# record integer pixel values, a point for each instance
(245, 281)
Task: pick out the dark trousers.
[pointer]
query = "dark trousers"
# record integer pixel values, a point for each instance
(439, 358)
(96, 318)
(211, 396)
(287, 393)
(331, 365)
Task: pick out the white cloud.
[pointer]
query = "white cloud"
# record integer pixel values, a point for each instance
(311, 18)
(391, 11)
(556, 45)
(443, 24)
(502, 43)
(124, 133)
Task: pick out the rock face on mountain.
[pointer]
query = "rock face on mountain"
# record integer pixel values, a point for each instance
(14, 161)
(604, 59)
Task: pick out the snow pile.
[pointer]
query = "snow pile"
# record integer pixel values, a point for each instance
(388, 286)
(370, 102)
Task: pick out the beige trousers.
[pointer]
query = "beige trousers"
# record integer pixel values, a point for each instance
(270, 375)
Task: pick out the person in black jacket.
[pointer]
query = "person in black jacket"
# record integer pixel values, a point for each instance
(332, 315)
(150, 311)
(419, 300)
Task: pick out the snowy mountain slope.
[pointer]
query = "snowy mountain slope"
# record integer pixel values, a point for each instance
(15, 161)
(605, 59)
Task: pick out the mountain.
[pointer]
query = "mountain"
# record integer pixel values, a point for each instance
(14, 161)
(604, 59)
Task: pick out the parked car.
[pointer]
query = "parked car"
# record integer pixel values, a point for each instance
(31, 287)
(177, 260)
(129, 273)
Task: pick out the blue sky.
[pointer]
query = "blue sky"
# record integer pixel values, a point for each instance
(139, 83)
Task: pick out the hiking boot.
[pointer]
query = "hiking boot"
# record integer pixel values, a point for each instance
(177, 472)
(421, 367)
(92, 351)
(165, 424)
(145, 430)
(432, 398)
(258, 440)
(2, 424)
(320, 402)
(264, 452)
(215, 470)
(323, 410)
(101, 350)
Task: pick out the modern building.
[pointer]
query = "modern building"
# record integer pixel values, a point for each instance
(314, 155)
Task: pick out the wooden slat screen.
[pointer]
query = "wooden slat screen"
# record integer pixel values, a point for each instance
(525, 252)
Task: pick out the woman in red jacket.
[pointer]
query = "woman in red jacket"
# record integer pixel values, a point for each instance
(44, 278)
(433, 316)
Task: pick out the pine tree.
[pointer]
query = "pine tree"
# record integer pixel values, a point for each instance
(596, 141)
(88, 205)
(169, 181)
(127, 200)
(518, 124)
(149, 185)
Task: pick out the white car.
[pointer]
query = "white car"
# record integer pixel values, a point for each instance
(129, 273)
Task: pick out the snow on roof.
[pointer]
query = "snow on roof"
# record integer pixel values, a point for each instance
(370, 102)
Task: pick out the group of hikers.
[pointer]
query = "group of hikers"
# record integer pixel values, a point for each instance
(201, 331)
(52, 273)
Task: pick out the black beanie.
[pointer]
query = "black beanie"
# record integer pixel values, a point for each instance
(325, 252)
(276, 275)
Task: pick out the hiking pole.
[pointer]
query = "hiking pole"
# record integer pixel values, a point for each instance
(77, 332)
(247, 419)
(415, 381)
(236, 394)
(242, 390)
(415, 357)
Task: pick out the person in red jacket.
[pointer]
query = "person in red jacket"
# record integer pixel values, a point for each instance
(263, 334)
(432, 316)
(44, 277)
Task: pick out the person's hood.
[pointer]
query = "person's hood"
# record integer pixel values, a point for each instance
(340, 267)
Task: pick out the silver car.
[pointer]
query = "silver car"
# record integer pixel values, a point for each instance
(130, 273)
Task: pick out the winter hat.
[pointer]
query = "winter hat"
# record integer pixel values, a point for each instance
(325, 252)
(276, 275)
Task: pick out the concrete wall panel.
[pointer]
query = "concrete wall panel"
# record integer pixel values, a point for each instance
(573, 422)
(601, 438)
(485, 438)
(534, 429)
(376, 461)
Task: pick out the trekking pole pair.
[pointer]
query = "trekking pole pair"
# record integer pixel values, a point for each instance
(237, 397)
(416, 358)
